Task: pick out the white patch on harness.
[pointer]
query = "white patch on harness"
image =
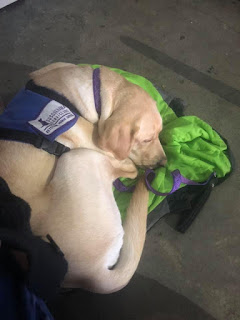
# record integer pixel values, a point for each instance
(52, 117)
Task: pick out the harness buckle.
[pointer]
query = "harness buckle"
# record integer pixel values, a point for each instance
(52, 147)
(41, 142)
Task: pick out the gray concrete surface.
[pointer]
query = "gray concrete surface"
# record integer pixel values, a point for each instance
(203, 264)
(142, 299)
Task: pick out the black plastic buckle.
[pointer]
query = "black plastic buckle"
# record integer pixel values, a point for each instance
(52, 147)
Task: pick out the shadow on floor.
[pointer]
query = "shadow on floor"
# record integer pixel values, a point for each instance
(142, 299)
(12, 78)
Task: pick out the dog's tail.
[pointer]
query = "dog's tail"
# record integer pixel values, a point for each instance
(134, 237)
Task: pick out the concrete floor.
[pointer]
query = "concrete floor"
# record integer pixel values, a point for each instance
(203, 264)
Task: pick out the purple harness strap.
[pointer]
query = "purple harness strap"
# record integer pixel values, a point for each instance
(149, 173)
(121, 187)
(178, 179)
(96, 90)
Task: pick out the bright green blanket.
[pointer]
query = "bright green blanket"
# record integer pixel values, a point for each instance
(191, 145)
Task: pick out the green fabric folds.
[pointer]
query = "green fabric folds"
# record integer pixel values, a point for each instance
(191, 145)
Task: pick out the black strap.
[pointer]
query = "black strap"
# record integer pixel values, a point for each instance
(197, 202)
(55, 148)
(51, 94)
(52, 147)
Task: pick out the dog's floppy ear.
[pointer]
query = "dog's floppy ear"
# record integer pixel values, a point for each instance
(116, 137)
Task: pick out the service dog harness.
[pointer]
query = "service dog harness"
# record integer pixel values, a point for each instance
(54, 114)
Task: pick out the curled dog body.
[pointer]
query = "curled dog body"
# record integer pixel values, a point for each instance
(125, 133)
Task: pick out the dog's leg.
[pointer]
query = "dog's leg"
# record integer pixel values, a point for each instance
(108, 281)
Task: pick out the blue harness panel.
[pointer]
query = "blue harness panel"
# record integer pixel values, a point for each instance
(34, 113)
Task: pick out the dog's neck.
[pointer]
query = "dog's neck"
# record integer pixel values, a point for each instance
(77, 85)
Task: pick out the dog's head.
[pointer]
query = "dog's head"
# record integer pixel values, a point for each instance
(130, 124)
(133, 130)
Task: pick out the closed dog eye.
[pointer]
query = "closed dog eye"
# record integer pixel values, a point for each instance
(147, 140)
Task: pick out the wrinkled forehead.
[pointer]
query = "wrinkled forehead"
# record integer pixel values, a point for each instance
(158, 120)
(154, 113)
(147, 115)
(150, 123)
(152, 117)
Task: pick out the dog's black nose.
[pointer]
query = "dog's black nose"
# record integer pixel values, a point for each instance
(162, 162)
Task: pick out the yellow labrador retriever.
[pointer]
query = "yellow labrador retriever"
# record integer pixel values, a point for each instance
(128, 127)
